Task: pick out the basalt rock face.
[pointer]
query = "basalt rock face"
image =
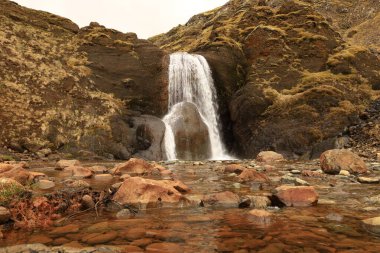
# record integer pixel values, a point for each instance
(74, 90)
(286, 77)
(190, 133)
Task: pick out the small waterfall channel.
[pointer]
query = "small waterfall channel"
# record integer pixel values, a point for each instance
(191, 86)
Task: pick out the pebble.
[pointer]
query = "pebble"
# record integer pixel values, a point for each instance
(296, 172)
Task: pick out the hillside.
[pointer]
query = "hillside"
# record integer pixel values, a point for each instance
(73, 90)
(288, 78)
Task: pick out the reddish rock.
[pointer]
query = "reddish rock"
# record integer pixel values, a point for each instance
(98, 169)
(234, 168)
(165, 247)
(297, 195)
(134, 234)
(99, 238)
(131, 249)
(150, 193)
(18, 173)
(335, 160)
(137, 167)
(269, 156)
(40, 239)
(61, 164)
(226, 198)
(79, 172)
(69, 229)
(251, 175)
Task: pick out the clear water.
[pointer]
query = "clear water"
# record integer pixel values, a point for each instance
(190, 80)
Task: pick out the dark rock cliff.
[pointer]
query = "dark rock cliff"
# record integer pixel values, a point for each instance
(286, 77)
(75, 90)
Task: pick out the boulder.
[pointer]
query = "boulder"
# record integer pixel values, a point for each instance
(234, 168)
(149, 137)
(61, 164)
(225, 199)
(190, 132)
(145, 193)
(18, 173)
(251, 175)
(136, 166)
(296, 195)
(335, 160)
(269, 156)
(45, 184)
(78, 172)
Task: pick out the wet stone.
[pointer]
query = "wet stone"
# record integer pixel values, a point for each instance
(99, 238)
(40, 239)
(165, 247)
(68, 229)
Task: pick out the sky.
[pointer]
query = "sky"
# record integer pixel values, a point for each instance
(144, 17)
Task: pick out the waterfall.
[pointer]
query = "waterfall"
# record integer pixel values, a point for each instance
(190, 80)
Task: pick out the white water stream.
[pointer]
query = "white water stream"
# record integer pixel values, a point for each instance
(190, 80)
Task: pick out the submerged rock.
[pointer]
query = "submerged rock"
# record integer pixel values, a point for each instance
(260, 216)
(225, 199)
(296, 195)
(145, 193)
(335, 160)
(251, 175)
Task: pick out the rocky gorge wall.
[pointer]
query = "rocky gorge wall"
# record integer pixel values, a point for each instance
(290, 77)
(79, 91)
(288, 80)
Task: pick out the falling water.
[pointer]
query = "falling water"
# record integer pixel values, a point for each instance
(190, 80)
